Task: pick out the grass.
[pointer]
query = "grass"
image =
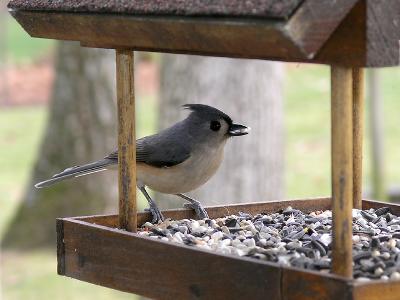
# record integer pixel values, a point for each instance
(20, 129)
(307, 121)
(307, 116)
(20, 47)
(32, 276)
(391, 88)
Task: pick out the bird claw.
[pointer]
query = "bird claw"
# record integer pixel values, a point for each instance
(156, 214)
(200, 211)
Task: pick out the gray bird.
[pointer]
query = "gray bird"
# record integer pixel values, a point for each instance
(176, 160)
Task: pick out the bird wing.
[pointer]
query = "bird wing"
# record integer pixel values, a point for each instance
(78, 171)
(158, 152)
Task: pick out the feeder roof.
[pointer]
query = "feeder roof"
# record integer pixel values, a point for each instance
(237, 8)
(358, 33)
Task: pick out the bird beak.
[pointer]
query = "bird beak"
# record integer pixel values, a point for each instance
(237, 130)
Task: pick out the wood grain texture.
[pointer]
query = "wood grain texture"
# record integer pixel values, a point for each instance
(104, 255)
(309, 28)
(60, 247)
(243, 38)
(344, 32)
(377, 290)
(342, 169)
(358, 127)
(347, 45)
(300, 285)
(315, 21)
(160, 270)
(369, 36)
(383, 32)
(306, 205)
(394, 208)
(319, 31)
(126, 140)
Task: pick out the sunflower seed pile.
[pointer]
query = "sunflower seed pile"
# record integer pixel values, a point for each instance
(293, 238)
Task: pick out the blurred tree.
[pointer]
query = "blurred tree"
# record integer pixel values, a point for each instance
(251, 92)
(81, 128)
(376, 117)
(82, 122)
(4, 97)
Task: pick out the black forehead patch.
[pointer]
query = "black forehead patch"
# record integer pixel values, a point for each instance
(208, 112)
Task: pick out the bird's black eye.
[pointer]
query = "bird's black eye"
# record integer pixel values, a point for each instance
(215, 125)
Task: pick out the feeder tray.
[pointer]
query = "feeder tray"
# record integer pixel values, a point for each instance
(94, 250)
(348, 35)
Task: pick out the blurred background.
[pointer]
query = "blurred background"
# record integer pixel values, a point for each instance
(57, 109)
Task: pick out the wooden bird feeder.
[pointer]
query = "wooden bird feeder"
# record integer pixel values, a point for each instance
(348, 35)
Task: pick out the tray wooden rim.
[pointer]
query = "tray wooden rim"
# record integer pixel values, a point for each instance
(90, 221)
(197, 249)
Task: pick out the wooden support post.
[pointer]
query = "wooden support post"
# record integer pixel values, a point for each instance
(126, 140)
(342, 169)
(358, 126)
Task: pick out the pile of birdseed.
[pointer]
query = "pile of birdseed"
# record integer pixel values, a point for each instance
(293, 238)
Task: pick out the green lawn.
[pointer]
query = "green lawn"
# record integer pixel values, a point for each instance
(20, 47)
(307, 121)
(20, 132)
(32, 276)
(307, 116)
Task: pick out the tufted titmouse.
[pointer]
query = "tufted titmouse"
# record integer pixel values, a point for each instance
(176, 160)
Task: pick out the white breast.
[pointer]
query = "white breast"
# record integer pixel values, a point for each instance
(184, 177)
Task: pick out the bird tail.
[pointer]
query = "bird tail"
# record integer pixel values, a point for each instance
(78, 171)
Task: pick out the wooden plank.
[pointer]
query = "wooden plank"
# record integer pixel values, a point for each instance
(243, 38)
(349, 38)
(315, 21)
(369, 36)
(60, 247)
(377, 290)
(126, 140)
(101, 255)
(302, 285)
(394, 208)
(383, 33)
(309, 27)
(111, 221)
(342, 170)
(358, 127)
(316, 33)
(160, 270)
(306, 205)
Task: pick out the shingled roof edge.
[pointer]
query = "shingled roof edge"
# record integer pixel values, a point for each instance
(276, 9)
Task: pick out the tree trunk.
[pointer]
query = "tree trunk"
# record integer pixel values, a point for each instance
(81, 128)
(250, 91)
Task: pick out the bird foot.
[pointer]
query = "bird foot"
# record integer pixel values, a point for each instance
(200, 211)
(156, 214)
